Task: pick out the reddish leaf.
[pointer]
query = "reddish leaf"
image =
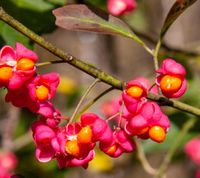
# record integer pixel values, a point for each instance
(80, 17)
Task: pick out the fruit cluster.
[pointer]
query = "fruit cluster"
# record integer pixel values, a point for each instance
(73, 144)
(25, 87)
(144, 118)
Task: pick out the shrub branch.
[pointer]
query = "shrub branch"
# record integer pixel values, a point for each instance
(86, 67)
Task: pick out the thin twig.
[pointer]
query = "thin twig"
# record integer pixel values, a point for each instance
(175, 145)
(120, 114)
(141, 156)
(155, 58)
(82, 99)
(85, 108)
(113, 116)
(175, 104)
(42, 64)
(147, 49)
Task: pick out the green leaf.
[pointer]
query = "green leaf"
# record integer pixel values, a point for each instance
(36, 5)
(1, 26)
(80, 17)
(11, 36)
(33, 19)
(58, 2)
(176, 10)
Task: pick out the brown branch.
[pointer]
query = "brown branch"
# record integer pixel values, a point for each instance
(65, 57)
(86, 67)
(175, 104)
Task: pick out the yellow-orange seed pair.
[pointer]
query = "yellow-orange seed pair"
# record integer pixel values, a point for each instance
(7, 71)
(84, 136)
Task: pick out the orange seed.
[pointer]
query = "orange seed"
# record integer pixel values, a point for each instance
(170, 83)
(157, 134)
(42, 93)
(135, 91)
(72, 148)
(85, 135)
(112, 150)
(5, 74)
(25, 64)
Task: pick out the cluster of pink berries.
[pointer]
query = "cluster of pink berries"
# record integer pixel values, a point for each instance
(8, 163)
(25, 87)
(120, 7)
(143, 118)
(73, 144)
